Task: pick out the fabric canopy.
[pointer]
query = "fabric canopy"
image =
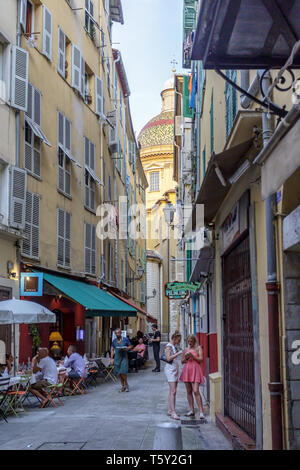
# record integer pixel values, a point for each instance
(98, 303)
(24, 311)
(149, 317)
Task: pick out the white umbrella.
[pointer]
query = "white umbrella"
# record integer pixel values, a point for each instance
(6, 317)
(24, 311)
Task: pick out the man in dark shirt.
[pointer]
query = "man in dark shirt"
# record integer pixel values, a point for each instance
(155, 341)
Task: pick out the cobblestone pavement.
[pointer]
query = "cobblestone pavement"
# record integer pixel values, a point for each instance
(106, 419)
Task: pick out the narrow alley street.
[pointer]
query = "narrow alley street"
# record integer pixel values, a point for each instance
(108, 420)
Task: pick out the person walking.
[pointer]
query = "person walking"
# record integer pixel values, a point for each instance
(155, 341)
(192, 374)
(172, 372)
(119, 358)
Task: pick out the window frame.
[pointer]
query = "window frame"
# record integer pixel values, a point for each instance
(154, 187)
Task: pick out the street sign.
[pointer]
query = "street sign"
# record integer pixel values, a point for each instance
(179, 290)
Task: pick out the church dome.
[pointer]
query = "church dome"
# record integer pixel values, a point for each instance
(158, 131)
(169, 84)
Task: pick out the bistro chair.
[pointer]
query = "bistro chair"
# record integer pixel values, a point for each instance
(92, 373)
(16, 397)
(79, 384)
(54, 392)
(4, 387)
(108, 369)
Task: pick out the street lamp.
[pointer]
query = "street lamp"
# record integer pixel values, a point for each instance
(140, 272)
(169, 212)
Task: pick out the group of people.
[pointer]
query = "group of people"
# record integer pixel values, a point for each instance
(46, 371)
(191, 374)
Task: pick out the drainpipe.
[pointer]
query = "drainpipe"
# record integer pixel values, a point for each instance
(17, 111)
(272, 286)
(253, 89)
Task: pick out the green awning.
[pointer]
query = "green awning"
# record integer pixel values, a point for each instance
(98, 303)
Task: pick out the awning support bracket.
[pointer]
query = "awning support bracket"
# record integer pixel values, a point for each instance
(266, 104)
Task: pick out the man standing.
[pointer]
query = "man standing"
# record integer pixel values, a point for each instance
(119, 358)
(155, 341)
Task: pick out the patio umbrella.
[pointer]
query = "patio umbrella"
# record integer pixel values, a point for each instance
(24, 311)
(6, 317)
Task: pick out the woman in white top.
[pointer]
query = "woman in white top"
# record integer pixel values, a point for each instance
(172, 372)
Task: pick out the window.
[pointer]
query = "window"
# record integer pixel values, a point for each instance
(154, 181)
(19, 87)
(231, 101)
(102, 46)
(47, 33)
(212, 124)
(110, 264)
(63, 238)
(108, 74)
(61, 62)
(203, 162)
(31, 246)
(32, 151)
(78, 70)
(89, 156)
(64, 155)
(4, 69)
(89, 248)
(27, 16)
(89, 18)
(121, 108)
(106, 6)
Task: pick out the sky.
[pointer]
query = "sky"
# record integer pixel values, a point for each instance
(149, 40)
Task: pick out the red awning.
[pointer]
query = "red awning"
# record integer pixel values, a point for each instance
(149, 317)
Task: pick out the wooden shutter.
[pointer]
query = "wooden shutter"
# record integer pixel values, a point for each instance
(61, 129)
(67, 239)
(113, 131)
(26, 245)
(82, 74)
(47, 33)
(87, 248)
(67, 135)
(92, 156)
(19, 88)
(87, 151)
(23, 14)
(93, 249)
(37, 106)
(61, 52)
(76, 68)
(99, 96)
(35, 229)
(29, 111)
(60, 237)
(17, 197)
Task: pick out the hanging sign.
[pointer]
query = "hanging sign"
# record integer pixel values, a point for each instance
(179, 290)
(31, 284)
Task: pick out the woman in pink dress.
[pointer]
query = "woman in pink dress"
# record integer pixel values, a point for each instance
(192, 374)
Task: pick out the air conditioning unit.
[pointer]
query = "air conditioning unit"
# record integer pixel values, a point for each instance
(178, 126)
(113, 140)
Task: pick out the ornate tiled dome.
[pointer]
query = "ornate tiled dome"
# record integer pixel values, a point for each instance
(158, 131)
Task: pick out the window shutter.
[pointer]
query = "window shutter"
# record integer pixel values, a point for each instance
(19, 89)
(93, 250)
(87, 248)
(113, 131)
(35, 228)
(92, 156)
(99, 95)
(17, 197)
(60, 237)
(61, 130)
(76, 67)
(47, 33)
(23, 14)
(28, 156)
(28, 213)
(37, 107)
(82, 84)
(29, 101)
(61, 52)
(87, 151)
(67, 135)
(67, 239)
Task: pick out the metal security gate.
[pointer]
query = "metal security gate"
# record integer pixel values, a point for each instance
(239, 381)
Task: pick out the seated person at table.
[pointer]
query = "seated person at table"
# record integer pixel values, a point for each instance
(76, 362)
(7, 368)
(140, 349)
(46, 373)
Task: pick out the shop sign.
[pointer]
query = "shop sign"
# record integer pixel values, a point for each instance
(231, 227)
(31, 284)
(179, 290)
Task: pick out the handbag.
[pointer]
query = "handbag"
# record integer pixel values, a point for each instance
(164, 358)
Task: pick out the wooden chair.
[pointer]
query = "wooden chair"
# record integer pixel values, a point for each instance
(4, 388)
(79, 384)
(108, 369)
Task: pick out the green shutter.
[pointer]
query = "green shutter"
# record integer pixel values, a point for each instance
(212, 123)
(187, 111)
(204, 161)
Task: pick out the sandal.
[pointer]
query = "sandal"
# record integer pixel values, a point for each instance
(122, 390)
(201, 416)
(175, 416)
(190, 413)
(126, 388)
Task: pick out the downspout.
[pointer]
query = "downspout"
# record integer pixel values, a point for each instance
(116, 244)
(272, 286)
(17, 111)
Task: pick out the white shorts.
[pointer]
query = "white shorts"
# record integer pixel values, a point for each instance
(172, 372)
